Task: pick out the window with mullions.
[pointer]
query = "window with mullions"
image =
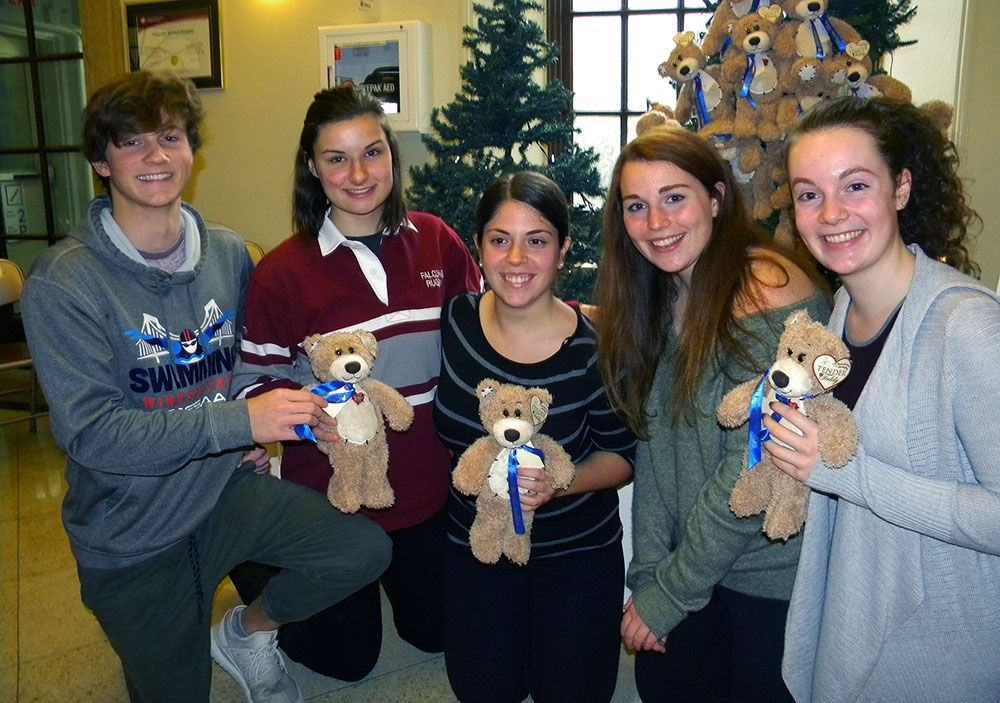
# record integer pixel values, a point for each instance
(610, 50)
(44, 182)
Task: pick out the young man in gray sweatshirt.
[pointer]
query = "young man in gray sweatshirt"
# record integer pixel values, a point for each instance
(133, 323)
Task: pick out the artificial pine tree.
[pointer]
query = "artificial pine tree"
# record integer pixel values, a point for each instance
(877, 21)
(502, 121)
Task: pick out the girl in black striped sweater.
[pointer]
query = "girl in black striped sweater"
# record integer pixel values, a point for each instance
(509, 629)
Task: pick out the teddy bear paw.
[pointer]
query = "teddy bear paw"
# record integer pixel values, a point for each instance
(783, 524)
(485, 548)
(380, 496)
(345, 504)
(750, 495)
(518, 549)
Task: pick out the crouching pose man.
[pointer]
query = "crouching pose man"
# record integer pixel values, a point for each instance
(133, 322)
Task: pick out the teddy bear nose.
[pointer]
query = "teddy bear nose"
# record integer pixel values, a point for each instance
(754, 41)
(511, 435)
(684, 70)
(814, 7)
(779, 378)
(352, 366)
(854, 76)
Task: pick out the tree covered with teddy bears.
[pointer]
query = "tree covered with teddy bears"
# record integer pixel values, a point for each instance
(762, 63)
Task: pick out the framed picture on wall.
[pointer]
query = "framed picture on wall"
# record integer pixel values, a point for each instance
(178, 35)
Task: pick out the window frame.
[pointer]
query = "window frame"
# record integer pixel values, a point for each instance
(559, 21)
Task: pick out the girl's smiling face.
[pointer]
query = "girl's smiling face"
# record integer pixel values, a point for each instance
(845, 199)
(521, 254)
(668, 214)
(351, 158)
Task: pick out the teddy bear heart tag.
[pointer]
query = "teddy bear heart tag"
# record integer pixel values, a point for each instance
(829, 371)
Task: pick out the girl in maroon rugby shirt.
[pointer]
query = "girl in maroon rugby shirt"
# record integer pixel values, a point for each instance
(358, 259)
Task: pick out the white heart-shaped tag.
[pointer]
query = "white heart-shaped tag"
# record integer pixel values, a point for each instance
(829, 371)
(857, 50)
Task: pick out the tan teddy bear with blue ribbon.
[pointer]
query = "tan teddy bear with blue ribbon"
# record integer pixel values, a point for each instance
(753, 72)
(512, 415)
(811, 360)
(700, 93)
(851, 74)
(717, 39)
(342, 362)
(809, 32)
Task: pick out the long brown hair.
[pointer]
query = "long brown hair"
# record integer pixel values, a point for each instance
(635, 297)
(309, 203)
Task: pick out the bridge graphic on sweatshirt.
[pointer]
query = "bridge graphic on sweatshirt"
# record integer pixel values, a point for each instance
(151, 327)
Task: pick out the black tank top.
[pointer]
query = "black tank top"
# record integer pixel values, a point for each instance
(864, 356)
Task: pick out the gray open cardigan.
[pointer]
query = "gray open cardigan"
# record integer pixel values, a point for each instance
(897, 595)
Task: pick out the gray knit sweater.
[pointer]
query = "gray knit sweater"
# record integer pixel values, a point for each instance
(897, 597)
(686, 540)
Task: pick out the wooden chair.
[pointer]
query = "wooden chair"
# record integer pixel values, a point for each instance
(15, 355)
(255, 250)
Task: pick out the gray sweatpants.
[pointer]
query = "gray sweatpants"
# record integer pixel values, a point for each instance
(156, 613)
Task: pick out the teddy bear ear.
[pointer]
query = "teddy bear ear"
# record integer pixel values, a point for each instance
(539, 404)
(799, 316)
(486, 387)
(368, 341)
(310, 342)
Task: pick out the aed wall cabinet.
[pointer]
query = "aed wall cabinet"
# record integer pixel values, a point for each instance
(389, 60)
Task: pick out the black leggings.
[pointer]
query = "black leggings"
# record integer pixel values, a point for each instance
(344, 640)
(730, 650)
(549, 629)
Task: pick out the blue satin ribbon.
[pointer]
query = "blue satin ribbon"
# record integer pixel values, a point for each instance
(747, 80)
(331, 392)
(820, 54)
(835, 38)
(758, 434)
(699, 101)
(512, 491)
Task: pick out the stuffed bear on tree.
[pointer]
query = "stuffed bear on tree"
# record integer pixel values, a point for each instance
(503, 121)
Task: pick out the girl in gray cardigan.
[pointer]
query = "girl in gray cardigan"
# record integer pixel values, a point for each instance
(897, 597)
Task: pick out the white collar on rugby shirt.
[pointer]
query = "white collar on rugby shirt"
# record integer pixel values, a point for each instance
(330, 238)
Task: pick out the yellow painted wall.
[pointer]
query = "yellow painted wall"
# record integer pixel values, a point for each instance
(271, 58)
(978, 138)
(271, 66)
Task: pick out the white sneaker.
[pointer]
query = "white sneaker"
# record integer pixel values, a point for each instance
(254, 662)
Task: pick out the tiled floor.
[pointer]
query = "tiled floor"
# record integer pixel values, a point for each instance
(52, 649)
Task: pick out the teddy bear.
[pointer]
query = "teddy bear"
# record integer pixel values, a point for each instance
(717, 39)
(744, 155)
(342, 362)
(753, 74)
(803, 85)
(940, 113)
(810, 32)
(487, 469)
(658, 116)
(810, 361)
(700, 91)
(851, 72)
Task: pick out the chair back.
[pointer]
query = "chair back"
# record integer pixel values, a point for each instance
(255, 250)
(11, 282)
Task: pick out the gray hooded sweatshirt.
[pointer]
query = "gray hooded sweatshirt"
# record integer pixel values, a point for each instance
(135, 364)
